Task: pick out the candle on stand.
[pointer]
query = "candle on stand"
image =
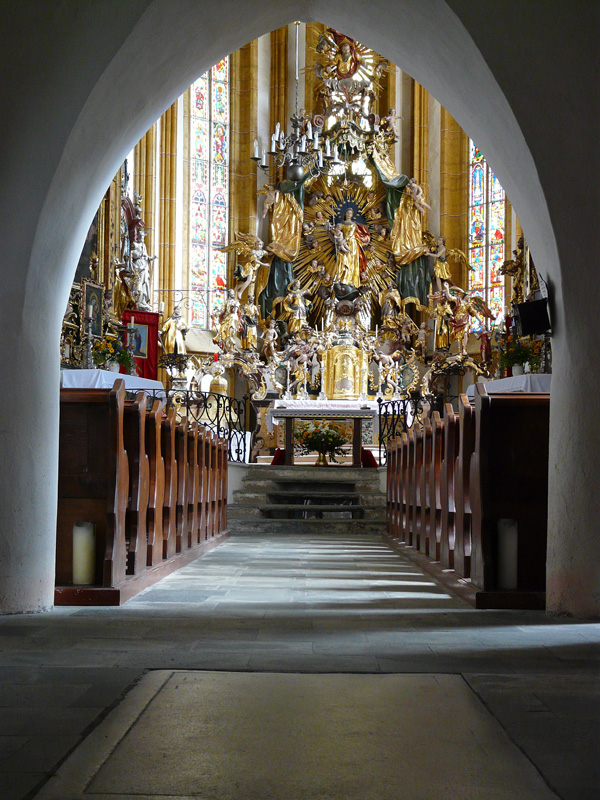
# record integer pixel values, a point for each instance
(309, 129)
(161, 307)
(282, 140)
(277, 129)
(273, 143)
(316, 140)
(335, 152)
(303, 142)
(132, 322)
(256, 148)
(327, 147)
(263, 162)
(90, 311)
(320, 158)
(84, 553)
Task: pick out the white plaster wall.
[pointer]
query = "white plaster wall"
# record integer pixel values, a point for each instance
(73, 105)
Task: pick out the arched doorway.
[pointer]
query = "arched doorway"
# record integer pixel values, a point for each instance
(87, 87)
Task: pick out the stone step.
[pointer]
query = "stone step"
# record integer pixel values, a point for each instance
(300, 472)
(253, 499)
(303, 510)
(259, 526)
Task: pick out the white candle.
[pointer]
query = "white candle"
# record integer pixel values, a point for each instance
(335, 153)
(309, 129)
(161, 307)
(84, 553)
(264, 159)
(376, 330)
(303, 142)
(327, 147)
(277, 129)
(320, 158)
(256, 148)
(132, 322)
(281, 140)
(316, 140)
(273, 143)
(90, 311)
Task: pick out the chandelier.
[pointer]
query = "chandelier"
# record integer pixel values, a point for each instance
(301, 150)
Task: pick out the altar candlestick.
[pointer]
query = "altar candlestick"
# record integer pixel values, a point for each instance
(256, 148)
(90, 311)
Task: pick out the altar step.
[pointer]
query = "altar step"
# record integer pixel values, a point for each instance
(309, 499)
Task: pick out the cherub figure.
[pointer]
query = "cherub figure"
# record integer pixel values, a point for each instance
(270, 193)
(336, 233)
(269, 346)
(421, 343)
(389, 122)
(309, 238)
(416, 192)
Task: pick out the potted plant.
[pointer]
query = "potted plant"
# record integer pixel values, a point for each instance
(325, 438)
(517, 351)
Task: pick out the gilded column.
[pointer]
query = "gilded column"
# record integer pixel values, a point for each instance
(167, 207)
(144, 183)
(278, 101)
(185, 222)
(454, 187)
(420, 138)
(313, 31)
(243, 128)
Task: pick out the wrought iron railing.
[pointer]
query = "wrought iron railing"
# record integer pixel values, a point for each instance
(223, 415)
(396, 417)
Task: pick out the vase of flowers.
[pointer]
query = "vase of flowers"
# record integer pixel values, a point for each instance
(325, 438)
(517, 351)
(104, 352)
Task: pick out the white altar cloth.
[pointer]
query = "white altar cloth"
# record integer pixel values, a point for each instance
(105, 379)
(314, 409)
(519, 383)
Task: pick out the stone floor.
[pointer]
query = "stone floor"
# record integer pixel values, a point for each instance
(299, 604)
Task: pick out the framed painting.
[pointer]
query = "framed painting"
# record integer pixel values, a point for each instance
(92, 303)
(144, 338)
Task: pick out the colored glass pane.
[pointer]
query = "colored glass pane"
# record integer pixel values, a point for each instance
(219, 147)
(496, 190)
(199, 175)
(220, 176)
(496, 222)
(477, 185)
(475, 153)
(477, 236)
(200, 96)
(220, 71)
(209, 180)
(220, 102)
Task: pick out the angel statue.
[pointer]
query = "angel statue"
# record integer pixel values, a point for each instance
(250, 252)
(464, 306)
(444, 259)
(229, 323)
(295, 307)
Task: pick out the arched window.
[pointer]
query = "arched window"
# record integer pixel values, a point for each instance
(487, 229)
(209, 192)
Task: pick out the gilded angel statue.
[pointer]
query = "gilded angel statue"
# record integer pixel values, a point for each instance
(251, 271)
(444, 259)
(270, 195)
(464, 305)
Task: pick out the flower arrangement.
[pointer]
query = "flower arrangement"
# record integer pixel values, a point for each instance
(103, 352)
(326, 438)
(112, 350)
(516, 350)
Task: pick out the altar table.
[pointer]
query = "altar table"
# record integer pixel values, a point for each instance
(531, 382)
(291, 410)
(105, 379)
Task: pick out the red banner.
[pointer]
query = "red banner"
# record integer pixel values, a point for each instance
(145, 339)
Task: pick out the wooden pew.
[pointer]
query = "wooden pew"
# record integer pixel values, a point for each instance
(434, 494)
(411, 488)
(213, 486)
(168, 447)
(193, 485)
(448, 507)
(183, 482)
(134, 435)
(224, 448)
(404, 494)
(154, 520)
(93, 480)
(423, 511)
(509, 479)
(393, 452)
(417, 464)
(462, 499)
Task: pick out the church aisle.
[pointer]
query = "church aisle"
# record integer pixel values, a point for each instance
(287, 603)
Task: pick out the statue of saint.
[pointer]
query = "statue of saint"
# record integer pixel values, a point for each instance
(172, 333)
(250, 314)
(229, 322)
(295, 307)
(349, 238)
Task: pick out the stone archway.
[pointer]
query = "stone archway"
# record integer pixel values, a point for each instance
(88, 83)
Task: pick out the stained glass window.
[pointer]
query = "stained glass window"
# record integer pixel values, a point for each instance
(209, 193)
(486, 233)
